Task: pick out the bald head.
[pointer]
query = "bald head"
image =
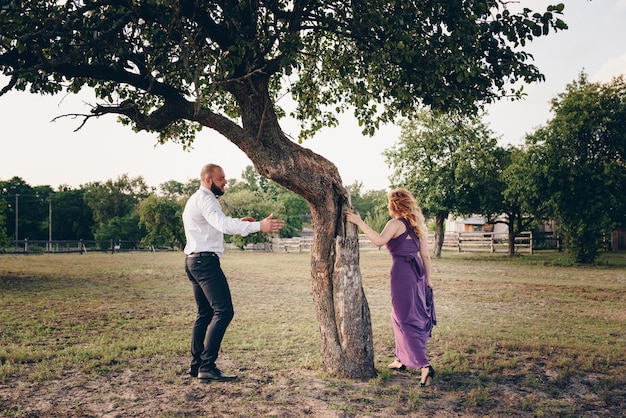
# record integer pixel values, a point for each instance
(213, 178)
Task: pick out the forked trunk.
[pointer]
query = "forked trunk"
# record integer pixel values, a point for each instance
(342, 310)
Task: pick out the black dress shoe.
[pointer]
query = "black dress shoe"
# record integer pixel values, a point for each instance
(193, 372)
(216, 375)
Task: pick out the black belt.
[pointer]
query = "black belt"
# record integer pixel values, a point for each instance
(203, 254)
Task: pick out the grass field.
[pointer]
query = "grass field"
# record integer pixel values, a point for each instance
(107, 335)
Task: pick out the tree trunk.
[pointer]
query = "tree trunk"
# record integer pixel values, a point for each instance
(440, 218)
(342, 310)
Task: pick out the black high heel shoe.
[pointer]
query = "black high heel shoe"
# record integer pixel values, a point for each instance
(429, 376)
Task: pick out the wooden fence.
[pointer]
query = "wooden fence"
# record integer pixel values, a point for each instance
(456, 241)
(483, 242)
(302, 244)
(27, 246)
(459, 242)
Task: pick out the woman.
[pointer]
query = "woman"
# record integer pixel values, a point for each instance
(413, 310)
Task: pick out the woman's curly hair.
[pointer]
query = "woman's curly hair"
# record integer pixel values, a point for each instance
(403, 204)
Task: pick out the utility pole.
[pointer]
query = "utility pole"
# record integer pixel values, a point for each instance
(17, 205)
(50, 223)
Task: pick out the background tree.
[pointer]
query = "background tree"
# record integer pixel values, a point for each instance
(450, 163)
(4, 238)
(162, 218)
(123, 230)
(72, 218)
(115, 198)
(371, 204)
(582, 172)
(114, 206)
(257, 196)
(257, 204)
(173, 189)
(296, 210)
(31, 205)
(174, 66)
(522, 202)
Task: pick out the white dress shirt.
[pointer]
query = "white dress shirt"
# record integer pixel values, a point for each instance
(205, 224)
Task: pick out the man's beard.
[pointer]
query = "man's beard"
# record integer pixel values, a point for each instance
(216, 190)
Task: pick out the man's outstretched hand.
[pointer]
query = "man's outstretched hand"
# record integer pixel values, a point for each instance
(271, 225)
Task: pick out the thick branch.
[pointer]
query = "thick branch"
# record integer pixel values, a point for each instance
(10, 85)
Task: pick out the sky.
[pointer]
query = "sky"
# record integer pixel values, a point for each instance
(43, 152)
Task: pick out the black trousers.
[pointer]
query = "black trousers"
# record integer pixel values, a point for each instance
(215, 310)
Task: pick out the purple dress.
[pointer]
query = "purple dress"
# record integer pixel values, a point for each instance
(413, 308)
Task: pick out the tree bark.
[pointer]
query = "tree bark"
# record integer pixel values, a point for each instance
(342, 309)
(440, 218)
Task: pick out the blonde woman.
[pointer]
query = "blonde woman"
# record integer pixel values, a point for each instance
(413, 310)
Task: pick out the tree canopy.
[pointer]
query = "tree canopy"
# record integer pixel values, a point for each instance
(451, 163)
(380, 57)
(581, 168)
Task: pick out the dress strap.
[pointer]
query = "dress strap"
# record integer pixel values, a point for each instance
(411, 232)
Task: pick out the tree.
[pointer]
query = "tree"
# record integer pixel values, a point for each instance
(371, 204)
(522, 202)
(121, 228)
(114, 206)
(582, 172)
(175, 66)
(27, 205)
(4, 238)
(257, 196)
(256, 204)
(72, 218)
(115, 198)
(451, 164)
(162, 218)
(295, 208)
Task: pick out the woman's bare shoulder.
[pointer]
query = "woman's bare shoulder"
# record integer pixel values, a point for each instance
(396, 226)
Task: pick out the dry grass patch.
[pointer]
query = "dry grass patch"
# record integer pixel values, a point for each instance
(108, 335)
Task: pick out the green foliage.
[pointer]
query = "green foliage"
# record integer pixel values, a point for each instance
(159, 62)
(126, 210)
(29, 205)
(294, 208)
(246, 203)
(581, 163)
(162, 218)
(124, 228)
(72, 218)
(521, 194)
(371, 204)
(450, 162)
(115, 198)
(4, 238)
(173, 189)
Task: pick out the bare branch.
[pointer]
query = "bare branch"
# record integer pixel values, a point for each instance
(75, 116)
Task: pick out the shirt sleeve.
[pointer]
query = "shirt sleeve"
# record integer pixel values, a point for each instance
(217, 219)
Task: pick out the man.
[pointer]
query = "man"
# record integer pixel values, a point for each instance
(205, 225)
